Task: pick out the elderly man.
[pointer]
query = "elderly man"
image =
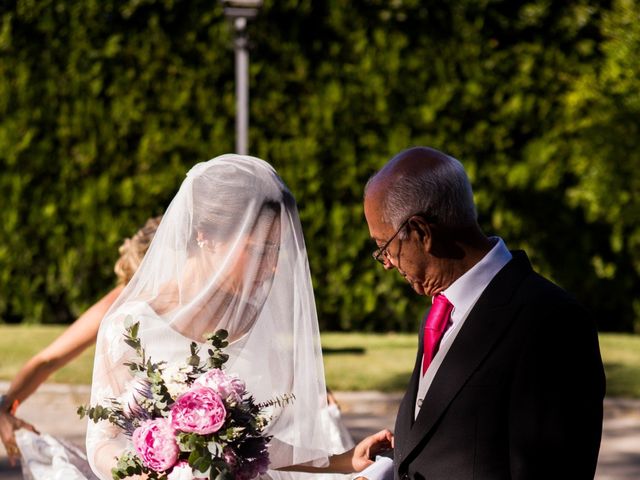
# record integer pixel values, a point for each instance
(508, 381)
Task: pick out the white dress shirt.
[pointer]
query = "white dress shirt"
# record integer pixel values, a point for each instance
(463, 295)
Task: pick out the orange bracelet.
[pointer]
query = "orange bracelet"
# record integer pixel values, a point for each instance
(14, 407)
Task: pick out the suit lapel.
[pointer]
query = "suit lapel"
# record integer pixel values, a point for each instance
(405, 417)
(485, 324)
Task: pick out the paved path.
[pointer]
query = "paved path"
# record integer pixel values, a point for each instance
(52, 410)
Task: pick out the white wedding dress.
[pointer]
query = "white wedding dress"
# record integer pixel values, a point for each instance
(44, 457)
(229, 253)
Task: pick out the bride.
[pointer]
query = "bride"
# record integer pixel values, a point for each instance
(229, 254)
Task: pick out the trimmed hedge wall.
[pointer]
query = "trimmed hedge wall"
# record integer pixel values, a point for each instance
(104, 105)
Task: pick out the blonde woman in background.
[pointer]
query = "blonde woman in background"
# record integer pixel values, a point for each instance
(72, 342)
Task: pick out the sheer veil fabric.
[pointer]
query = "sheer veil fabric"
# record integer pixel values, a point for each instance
(229, 254)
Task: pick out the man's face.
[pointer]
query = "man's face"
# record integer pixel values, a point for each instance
(405, 253)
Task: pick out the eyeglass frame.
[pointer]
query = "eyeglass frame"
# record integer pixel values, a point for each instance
(380, 254)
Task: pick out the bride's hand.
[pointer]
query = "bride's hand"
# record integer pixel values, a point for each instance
(8, 426)
(365, 452)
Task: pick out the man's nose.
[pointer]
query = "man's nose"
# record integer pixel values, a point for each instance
(387, 264)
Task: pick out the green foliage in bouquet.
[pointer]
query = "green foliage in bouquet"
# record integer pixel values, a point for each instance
(155, 398)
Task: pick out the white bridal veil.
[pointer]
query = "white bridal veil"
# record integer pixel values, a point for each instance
(229, 253)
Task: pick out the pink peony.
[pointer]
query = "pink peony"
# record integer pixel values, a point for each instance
(155, 442)
(199, 410)
(229, 387)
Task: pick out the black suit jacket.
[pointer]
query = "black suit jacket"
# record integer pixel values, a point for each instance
(519, 394)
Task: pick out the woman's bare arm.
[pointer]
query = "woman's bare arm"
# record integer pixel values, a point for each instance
(71, 343)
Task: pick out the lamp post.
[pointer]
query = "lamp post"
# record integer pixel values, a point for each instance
(239, 12)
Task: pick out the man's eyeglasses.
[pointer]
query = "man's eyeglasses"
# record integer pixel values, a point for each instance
(381, 254)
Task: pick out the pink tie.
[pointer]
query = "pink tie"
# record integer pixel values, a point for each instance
(434, 328)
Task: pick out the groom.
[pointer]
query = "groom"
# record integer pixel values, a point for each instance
(508, 381)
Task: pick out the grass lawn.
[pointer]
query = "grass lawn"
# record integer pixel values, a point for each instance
(19, 343)
(621, 355)
(359, 361)
(353, 361)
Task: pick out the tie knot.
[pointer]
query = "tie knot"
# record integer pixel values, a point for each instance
(440, 299)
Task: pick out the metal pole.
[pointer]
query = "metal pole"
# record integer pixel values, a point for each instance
(242, 86)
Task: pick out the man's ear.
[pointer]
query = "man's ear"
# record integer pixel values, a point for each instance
(423, 231)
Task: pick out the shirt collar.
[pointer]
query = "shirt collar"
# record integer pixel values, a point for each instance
(464, 292)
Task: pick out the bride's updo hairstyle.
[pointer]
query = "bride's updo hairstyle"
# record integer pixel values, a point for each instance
(225, 192)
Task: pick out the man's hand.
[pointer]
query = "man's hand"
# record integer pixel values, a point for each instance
(365, 452)
(8, 426)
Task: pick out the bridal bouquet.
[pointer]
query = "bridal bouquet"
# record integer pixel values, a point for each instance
(188, 422)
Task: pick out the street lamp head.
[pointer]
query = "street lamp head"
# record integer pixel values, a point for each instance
(243, 3)
(241, 8)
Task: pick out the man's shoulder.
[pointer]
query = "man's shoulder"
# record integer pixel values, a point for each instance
(518, 281)
(537, 288)
(538, 285)
(541, 300)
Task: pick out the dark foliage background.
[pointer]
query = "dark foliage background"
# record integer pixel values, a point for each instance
(105, 104)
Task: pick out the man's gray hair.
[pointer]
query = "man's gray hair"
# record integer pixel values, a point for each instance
(443, 193)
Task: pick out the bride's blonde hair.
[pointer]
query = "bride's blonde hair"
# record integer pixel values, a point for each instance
(133, 249)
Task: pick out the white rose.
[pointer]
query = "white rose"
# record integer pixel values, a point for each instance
(176, 381)
(182, 471)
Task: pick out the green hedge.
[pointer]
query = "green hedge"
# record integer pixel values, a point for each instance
(104, 105)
